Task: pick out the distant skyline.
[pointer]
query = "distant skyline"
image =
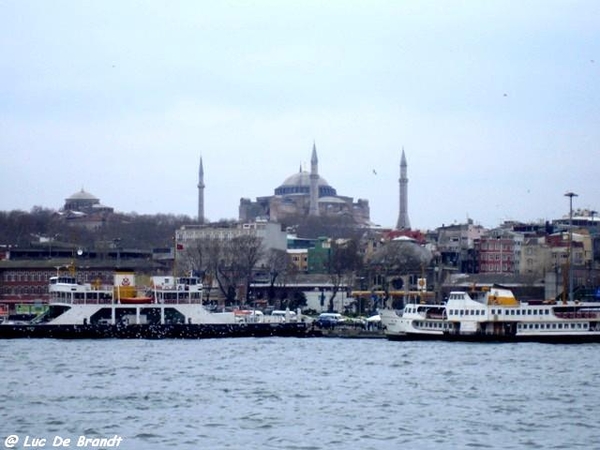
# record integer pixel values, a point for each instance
(496, 103)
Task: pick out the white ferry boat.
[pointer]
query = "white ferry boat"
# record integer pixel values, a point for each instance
(170, 307)
(169, 300)
(494, 315)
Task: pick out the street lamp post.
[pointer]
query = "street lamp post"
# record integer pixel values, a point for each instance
(570, 195)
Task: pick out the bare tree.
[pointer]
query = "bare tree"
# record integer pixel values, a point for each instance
(397, 258)
(278, 264)
(232, 262)
(343, 263)
(249, 251)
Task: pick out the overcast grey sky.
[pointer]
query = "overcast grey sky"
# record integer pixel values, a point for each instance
(496, 103)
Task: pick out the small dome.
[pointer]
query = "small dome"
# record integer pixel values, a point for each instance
(82, 195)
(331, 200)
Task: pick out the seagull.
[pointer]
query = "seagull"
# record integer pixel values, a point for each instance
(374, 172)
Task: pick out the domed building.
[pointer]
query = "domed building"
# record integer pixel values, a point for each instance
(82, 208)
(304, 193)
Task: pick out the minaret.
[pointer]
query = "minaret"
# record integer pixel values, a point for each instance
(403, 220)
(314, 183)
(201, 193)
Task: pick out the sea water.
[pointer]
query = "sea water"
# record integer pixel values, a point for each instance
(289, 393)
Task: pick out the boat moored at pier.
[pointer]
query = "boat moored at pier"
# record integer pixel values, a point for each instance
(494, 314)
(172, 307)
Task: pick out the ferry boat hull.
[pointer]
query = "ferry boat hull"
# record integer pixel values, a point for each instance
(483, 338)
(154, 331)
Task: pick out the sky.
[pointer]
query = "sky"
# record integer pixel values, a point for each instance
(496, 104)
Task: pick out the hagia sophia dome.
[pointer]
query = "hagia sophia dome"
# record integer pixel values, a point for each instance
(299, 183)
(304, 193)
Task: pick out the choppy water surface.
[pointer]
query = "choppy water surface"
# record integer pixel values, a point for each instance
(284, 393)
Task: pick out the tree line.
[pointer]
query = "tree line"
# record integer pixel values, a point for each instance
(235, 264)
(145, 232)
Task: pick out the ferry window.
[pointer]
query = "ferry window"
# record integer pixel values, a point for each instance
(547, 312)
(536, 326)
(560, 326)
(554, 326)
(579, 325)
(518, 312)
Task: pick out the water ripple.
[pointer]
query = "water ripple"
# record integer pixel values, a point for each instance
(303, 394)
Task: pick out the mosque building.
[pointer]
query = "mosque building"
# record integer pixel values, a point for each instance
(304, 194)
(308, 194)
(84, 209)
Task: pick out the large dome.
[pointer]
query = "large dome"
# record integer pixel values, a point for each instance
(299, 183)
(302, 179)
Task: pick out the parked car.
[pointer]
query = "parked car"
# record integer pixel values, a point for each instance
(329, 320)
